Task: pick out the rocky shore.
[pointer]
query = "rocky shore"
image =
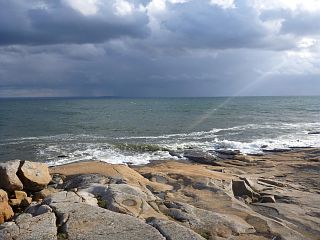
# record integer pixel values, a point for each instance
(213, 195)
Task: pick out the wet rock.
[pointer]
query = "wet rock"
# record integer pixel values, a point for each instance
(175, 154)
(314, 132)
(201, 157)
(174, 231)
(85, 222)
(9, 181)
(26, 227)
(34, 175)
(204, 221)
(240, 188)
(276, 150)
(228, 152)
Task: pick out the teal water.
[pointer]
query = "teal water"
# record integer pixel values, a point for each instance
(59, 131)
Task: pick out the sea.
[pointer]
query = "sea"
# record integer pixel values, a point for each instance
(139, 130)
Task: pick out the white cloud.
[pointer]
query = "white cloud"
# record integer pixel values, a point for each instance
(86, 7)
(305, 5)
(223, 3)
(123, 7)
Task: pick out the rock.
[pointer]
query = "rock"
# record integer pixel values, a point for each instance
(85, 222)
(44, 193)
(9, 181)
(276, 150)
(15, 202)
(240, 188)
(201, 157)
(207, 222)
(85, 180)
(272, 182)
(56, 180)
(6, 211)
(36, 209)
(227, 152)
(175, 154)
(26, 227)
(62, 197)
(314, 132)
(20, 195)
(174, 231)
(268, 199)
(21, 199)
(3, 196)
(126, 199)
(88, 198)
(34, 175)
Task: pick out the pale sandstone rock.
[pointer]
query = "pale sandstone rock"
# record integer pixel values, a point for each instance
(34, 175)
(5, 210)
(9, 181)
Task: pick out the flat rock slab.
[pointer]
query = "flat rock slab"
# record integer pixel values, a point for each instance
(86, 222)
(174, 231)
(26, 227)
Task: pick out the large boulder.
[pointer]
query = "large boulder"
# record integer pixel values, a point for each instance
(9, 181)
(34, 175)
(26, 227)
(5, 210)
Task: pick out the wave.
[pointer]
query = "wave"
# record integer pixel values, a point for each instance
(67, 148)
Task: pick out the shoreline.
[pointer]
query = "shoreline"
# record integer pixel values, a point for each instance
(238, 197)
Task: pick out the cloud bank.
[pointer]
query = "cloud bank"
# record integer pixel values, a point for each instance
(159, 48)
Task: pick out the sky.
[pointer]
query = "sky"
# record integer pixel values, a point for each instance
(159, 48)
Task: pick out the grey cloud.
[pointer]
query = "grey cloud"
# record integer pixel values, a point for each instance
(58, 23)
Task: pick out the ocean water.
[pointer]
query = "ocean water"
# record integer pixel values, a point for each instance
(136, 131)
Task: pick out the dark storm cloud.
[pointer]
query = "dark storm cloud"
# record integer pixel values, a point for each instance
(59, 23)
(190, 48)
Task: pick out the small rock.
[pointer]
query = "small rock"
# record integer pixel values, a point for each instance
(9, 181)
(6, 211)
(20, 195)
(15, 202)
(44, 193)
(314, 132)
(34, 175)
